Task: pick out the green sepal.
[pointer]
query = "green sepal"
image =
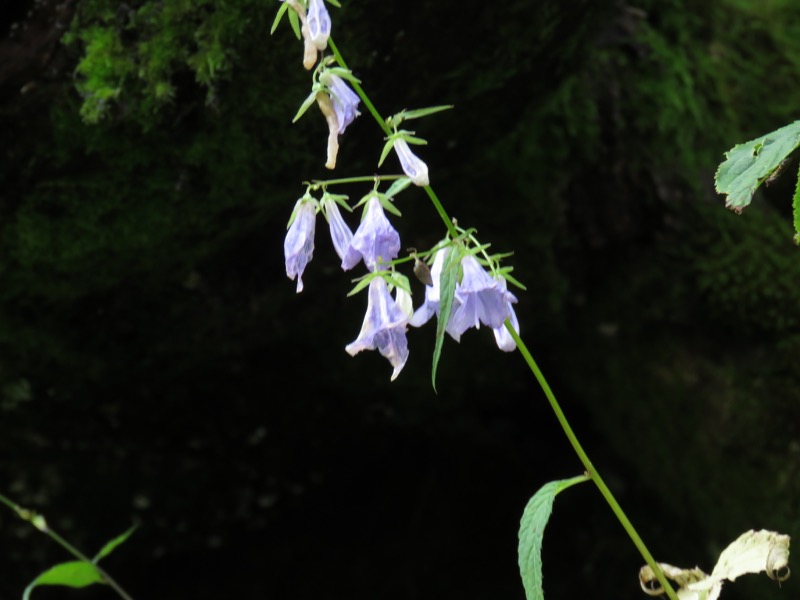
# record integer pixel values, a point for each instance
(398, 186)
(340, 199)
(531, 532)
(506, 274)
(387, 147)
(344, 74)
(334, 3)
(312, 97)
(281, 11)
(749, 165)
(399, 280)
(411, 139)
(306, 198)
(387, 204)
(294, 20)
(361, 283)
(447, 292)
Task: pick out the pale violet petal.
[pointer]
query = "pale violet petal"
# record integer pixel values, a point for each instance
(298, 247)
(412, 166)
(384, 327)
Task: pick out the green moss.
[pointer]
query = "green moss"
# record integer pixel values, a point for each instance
(139, 57)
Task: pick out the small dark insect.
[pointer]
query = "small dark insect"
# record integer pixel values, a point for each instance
(421, 269)
(777, 172)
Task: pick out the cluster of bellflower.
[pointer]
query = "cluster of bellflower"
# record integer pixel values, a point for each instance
(479, 297)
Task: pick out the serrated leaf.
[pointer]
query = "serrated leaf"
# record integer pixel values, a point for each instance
(447, 292)
(111, 545)
(748, 165)
(75, 574)
(531, 533)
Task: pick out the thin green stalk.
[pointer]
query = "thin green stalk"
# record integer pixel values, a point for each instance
(38, 521)
(595, 476)
(360, 179)
(584, 458)
(382, 124)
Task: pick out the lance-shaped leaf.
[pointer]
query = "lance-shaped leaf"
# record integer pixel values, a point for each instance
(749, 165)
(111, 545)
(531, 532)
(447, 293)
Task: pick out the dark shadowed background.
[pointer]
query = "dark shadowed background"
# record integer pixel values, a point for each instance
(157, 366)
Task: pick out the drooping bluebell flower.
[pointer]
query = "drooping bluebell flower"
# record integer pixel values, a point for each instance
(341, 235)
(482, 299)
(384, 327)
(374, 241)
(339, 105)
(310, 49)
(501, 335)
(345, 101)
(298, 247)
(412, 166)
(319, 24)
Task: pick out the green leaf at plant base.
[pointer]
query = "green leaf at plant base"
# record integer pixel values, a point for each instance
(111, 545)
(75, 574)
(531, 532)
(749, 165)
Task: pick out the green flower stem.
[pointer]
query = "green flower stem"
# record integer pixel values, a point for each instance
(360, 179)
(361, 94)
(39, 522)
(382, 124)
(592, 472)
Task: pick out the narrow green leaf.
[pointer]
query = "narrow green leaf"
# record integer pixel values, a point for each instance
(424, 112)
(362, 283)
(75, 574)
(344, 74)
(748, 165)
(335, 3)
(398, 186)
(531, 532)
(312, 97)
(111, 545)
(278, 17)
(387, 147)
(447, 291)
(294, 20)
(411, 139)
